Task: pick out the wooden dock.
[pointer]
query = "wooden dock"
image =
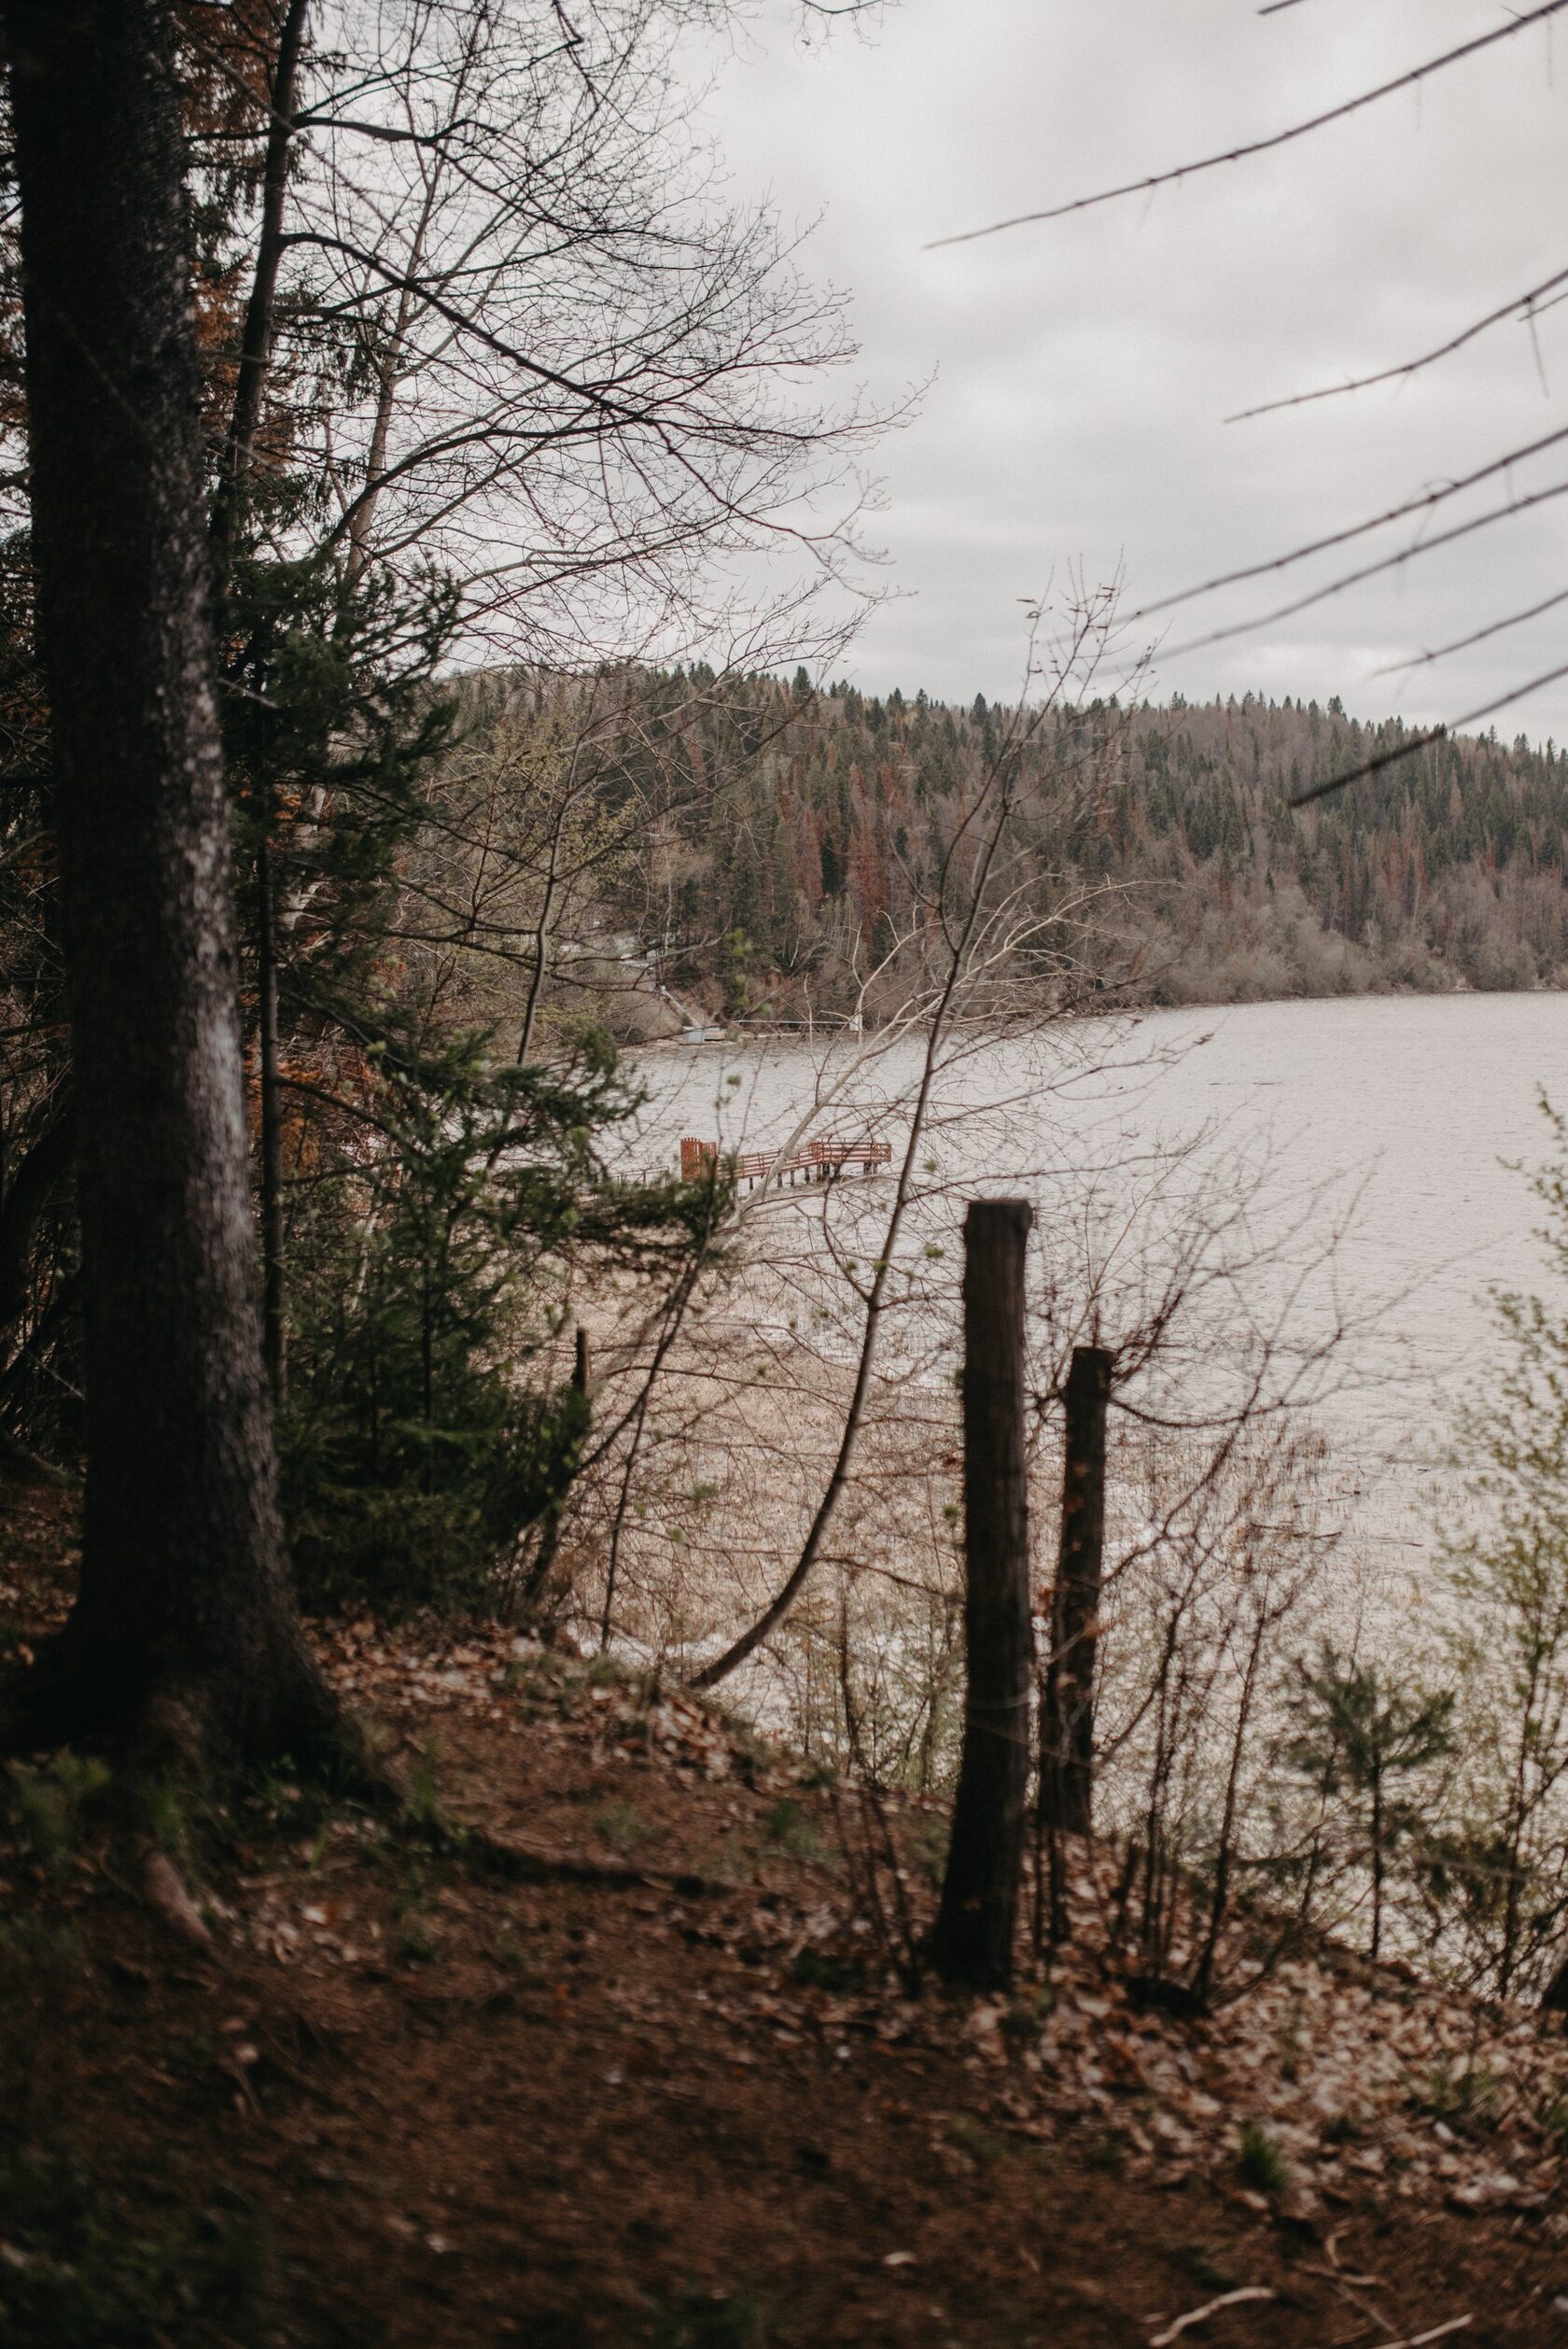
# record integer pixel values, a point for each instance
(817, 1161)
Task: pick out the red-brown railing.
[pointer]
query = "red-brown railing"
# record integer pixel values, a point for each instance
(817, 1161)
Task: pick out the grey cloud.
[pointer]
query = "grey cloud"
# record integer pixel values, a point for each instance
(1085, 368)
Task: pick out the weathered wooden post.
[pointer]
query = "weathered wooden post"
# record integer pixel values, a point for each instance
(971, 1944)
(1067, 1709)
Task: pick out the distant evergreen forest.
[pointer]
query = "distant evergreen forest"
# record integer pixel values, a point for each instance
(804, 834)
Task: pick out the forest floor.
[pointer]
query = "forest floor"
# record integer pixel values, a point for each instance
(651, 2081)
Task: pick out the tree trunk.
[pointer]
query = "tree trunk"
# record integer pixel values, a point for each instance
(1376, 1863)
(1067, 1711)
(973, 1941)
(183, 1632)
(275, 1343)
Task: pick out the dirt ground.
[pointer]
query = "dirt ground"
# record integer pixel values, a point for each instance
(660, 2093)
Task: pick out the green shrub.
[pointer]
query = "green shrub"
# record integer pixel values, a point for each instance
(427, 1281)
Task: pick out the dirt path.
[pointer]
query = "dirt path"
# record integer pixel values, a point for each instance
(400, 2101)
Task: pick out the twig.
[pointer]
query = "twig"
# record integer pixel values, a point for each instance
(1525, 302)
(1228, 2299)
(1418, 2341)
(1373, 2319)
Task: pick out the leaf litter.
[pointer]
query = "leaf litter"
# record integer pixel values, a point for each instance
(584, 2099)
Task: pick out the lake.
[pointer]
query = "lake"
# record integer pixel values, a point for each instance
(1394, 1117)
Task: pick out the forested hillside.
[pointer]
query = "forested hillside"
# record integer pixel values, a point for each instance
(806, 835)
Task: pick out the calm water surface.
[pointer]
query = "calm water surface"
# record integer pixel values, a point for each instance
(1414, 1104)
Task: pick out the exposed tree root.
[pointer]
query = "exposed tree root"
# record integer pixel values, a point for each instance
(163, 1890)
(176, 1735)
(517, 1862)
(179, 1733)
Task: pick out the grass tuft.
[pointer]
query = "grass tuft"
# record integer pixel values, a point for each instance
(794, 1831)
(710, 2320)
(623, 1826)
(1469, 2099)
(51, 1803)
(1261, 2160)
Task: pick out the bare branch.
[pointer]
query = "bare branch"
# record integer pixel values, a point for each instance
(1409, 80)
(1478, 635)
(1424, 503)
(1373, 570)
(1522, 306)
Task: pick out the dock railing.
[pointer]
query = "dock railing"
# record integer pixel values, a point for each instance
(816, 1161)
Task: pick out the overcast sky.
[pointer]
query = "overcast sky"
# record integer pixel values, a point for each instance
(1085, 368)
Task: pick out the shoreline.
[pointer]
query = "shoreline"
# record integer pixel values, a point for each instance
(828, 1031)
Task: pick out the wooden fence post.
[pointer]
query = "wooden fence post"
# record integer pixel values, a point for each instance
(1066, 1707)
(971, 1944)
